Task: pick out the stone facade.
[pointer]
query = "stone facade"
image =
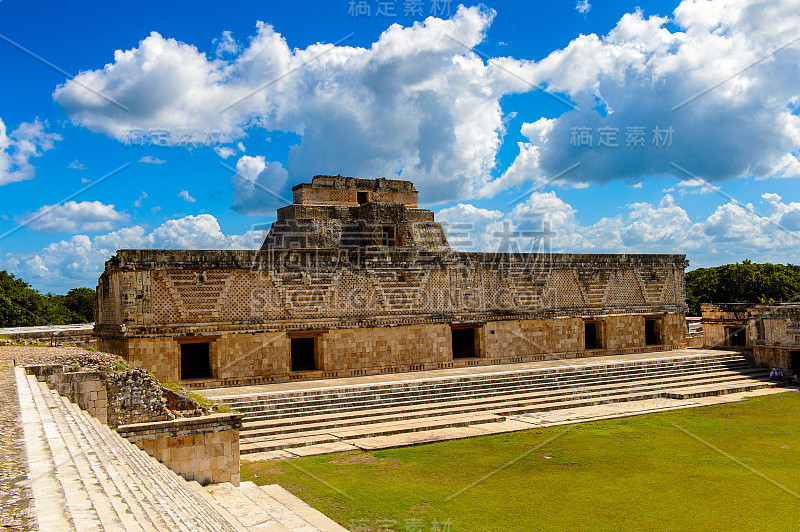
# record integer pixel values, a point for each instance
(771, 331)
(725, 324)
(382, 292)
(205, 449)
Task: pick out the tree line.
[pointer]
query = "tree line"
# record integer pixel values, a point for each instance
(744, 282)
(24, 306)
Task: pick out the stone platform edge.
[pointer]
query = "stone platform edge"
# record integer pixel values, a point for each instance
(205, 448)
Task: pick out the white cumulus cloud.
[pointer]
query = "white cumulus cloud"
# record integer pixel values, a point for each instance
(714, 93)
(78, 261)
(583, 6)
(149, 159)
(732, 232)
(416, 102)
(29, 140)
(71, 217)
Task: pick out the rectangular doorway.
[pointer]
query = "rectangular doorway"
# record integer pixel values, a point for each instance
(794, 361)
(195, 361)
(591, 333)
(361, 197)
(650, 332)
(303, 351)
(464, 343)
(737, 336)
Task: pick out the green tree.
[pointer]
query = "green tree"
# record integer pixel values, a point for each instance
(23, 306)
(742, 283)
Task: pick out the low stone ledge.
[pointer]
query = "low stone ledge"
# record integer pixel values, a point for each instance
(181, 427)
(205, 449)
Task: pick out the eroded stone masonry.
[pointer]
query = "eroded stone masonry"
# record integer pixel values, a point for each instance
(354, 278)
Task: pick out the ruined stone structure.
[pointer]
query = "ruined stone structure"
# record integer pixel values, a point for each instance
(354, 278)
(771, 331)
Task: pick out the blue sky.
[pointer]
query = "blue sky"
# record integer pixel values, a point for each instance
(670, 128)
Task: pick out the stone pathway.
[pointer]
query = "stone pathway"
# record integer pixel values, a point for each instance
(15, 493)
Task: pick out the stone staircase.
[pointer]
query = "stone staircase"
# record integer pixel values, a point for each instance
(84, 476)
(290, 419)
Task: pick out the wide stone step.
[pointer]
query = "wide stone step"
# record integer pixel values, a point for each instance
(120, 476)
(45, 485)
(312, 516)
(381, 419)
(709, 390)
(398, 398)
(431, 407)
(282, 398)
(359, 433)
(79, 505)
(488, 394)
(269, 508)
(237, 503)
(378, 429)
(106, 498)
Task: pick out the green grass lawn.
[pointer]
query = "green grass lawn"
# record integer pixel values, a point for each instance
(634, 473)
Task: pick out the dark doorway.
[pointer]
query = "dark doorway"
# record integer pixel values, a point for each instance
(361, 197)
(195, 361)
(794, 360)
(388, 235)
(464, 343)
(650, 332)
(303, 354)
(590, 332)
(737, 337)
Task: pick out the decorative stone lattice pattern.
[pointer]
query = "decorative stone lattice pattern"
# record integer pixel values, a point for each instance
(243, 295)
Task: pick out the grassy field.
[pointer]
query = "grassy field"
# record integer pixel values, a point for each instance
(644, 472)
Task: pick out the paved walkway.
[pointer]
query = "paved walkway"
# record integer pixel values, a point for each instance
(15, 494)
(47, 329)
(283, 387)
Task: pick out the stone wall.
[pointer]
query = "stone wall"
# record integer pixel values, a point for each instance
(134, 396)
(166, 291)
(378, 310)
(341, 190)
(85, 389)
(774, 357)
(720, 319)
(115, 398)
(205, 449)
(266, 357)
(775, 336)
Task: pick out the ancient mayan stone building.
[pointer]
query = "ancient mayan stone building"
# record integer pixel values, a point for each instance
(771, 331)
(354, 278)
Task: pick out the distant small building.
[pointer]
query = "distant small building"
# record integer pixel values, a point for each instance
(725, 324)
(354, 278)
(771, 331)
